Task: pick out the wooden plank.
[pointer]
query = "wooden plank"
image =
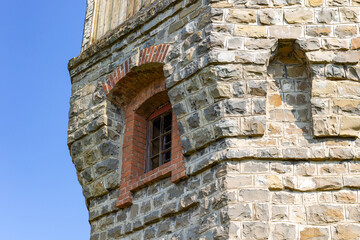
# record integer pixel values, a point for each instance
(108, 16)
(115, 14)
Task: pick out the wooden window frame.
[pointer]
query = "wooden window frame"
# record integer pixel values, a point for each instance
(161, 112)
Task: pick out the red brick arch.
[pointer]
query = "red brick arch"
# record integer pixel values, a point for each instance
(153, 54)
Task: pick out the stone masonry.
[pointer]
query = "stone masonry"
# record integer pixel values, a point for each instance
(266, 103)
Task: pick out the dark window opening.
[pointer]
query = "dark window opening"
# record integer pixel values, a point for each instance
(159, 140)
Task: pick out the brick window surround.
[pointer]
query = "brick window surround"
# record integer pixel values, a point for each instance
(139, 86)
(133, 174)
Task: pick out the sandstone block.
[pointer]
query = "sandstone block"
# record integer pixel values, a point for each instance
(270, 16)
(279, 213)
(255, 230)
(312, 233)
(319, 56)
(241, 16)
(254, 195)
(347, 232)
(318, 31)
(355, 43)
(235, 43)
(272, 182)
(351, 106)
(221, 90)
(328, 183)
(324, 127)
(284, 231)
(352, 181)
(353, 212)
(344, 31)
(236, 182)
(261, 211)
(255, 44)
(350, 126)
(327, 15)
(227, 127)
(345, 197)
(253, 126)
(348, 89)
(315, 3)
(285, 32)
(250, 31)
(240, 212)
(309, 44)
(324, 214)
(299, 15)
(350, 57)
(333, 71)
(349, 14)
(297, 214)
(336, 44)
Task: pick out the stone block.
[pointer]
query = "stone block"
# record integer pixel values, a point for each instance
(227, 127)
(241, 16)
(327, 15)
(284, 231)
(312, 233)
(352, 181)
(350, 126)
(270, 16)
(299, 15)
(253, 126)
(335, 44)
(345, 31)
(325, 214)
(279, 213)
(346, 231)
(325, 127)
(293, 32)
(250, 31)
(255, 230)
(318, 31)
(240, 212)
(254, 195)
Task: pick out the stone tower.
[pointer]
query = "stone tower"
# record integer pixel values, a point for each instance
(208, 119)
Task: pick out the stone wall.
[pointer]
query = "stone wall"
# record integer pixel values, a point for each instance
(267, 99)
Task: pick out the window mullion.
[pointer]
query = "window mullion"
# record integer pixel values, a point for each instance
(161, 140)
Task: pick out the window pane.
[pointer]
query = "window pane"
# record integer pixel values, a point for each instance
(167, 141)
(156, 128)
(167, 156)
(167, 122)
(155, 146)
(154, 162)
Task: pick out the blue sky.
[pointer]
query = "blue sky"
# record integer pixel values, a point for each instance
(40, 195)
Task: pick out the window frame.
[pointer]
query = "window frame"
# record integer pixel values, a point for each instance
(161, 112)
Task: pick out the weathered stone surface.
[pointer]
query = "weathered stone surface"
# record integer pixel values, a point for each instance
(250, 31)
(347, 232)
(255, 230)
(270, 16)
(314, 233)
(323, 214)
(241, 16)
(300, 15)
(285, 32)
(284, 231)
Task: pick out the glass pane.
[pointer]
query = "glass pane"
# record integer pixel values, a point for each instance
(167, 156)
(167, 122)
(155, 146)
(156, 128)
(154, 162)
(167, 141)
